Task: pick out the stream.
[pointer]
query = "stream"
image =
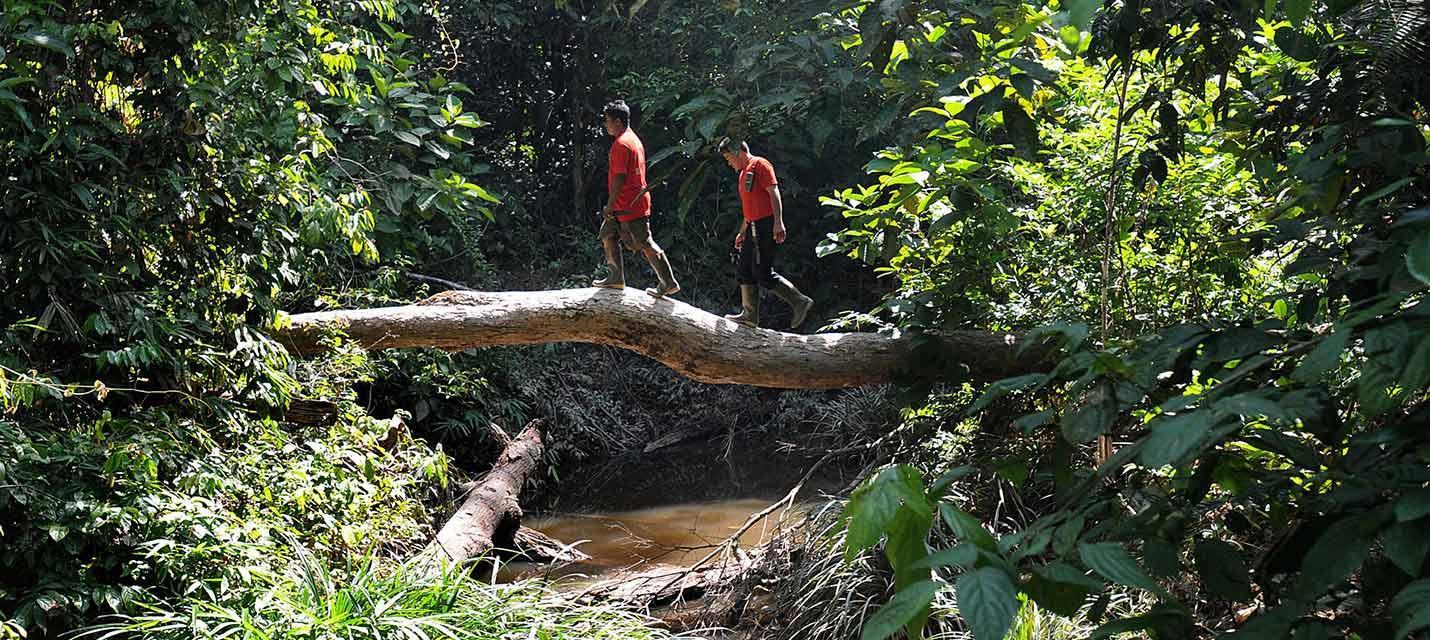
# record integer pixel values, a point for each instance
(668, 507)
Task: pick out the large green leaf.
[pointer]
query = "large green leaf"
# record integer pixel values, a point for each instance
(1113, 562)
(1080, 12)
(908, 532)
(1413, 505)
(968, 528)
(1006, 386)
(709, 123)
(1406, 544)
(1162, 558)
(1339, 550)
(1173, 438)
(1378, 388)
(906, 547)
(988, 601)
(1253, 404)
(820, 130)
(1417, 258)
(660, 156)
(946, 480)
(1222, 570)
(903, 607)
(1165, 621)
(961, 555)
(699, 103)
(1235, 344)
(1093, 418)
(873, 505)
(1410, 610)
(47, 41)
(1297, 10)
(1323, 358)
(1060, 588)
(1416, 374)
(689, 192)
(1066, 535)
(871, 24)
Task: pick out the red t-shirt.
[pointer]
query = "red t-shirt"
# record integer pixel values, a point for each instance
(755, 182)
(628, 157)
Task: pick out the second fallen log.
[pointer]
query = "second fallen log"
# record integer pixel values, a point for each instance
(491, 512)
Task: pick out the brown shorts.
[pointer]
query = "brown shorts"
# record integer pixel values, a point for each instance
(634, 234)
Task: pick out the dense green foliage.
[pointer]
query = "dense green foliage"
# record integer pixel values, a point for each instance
(1224, 204)
(1215, 211)
(175, 173)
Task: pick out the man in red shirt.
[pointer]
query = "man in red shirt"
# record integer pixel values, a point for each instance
(762, 228)
(626, 216)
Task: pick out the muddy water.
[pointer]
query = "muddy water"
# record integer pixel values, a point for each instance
(671, 535)
(667, 508)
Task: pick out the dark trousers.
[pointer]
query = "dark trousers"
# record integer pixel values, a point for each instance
(757, 255)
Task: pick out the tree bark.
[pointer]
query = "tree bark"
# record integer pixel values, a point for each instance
(534, 546)
(491, 511)
(700, 345)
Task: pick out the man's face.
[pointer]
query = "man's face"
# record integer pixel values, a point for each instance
(732, 159)
(613, 126)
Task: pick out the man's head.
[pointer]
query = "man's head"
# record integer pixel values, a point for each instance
(736, 153)
(617, 117)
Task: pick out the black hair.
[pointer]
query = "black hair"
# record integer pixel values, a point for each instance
(731, 145)
(617, 109)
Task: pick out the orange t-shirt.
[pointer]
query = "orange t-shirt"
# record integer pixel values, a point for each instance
(628, 157)
(755, 182)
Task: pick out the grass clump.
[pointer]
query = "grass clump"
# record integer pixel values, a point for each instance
(375, 600)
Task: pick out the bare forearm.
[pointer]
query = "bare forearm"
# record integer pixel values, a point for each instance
(778, 205)
(616, 188)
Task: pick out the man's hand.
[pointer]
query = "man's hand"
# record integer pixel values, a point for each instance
(608, 211)
(739, 239)
(780, 231)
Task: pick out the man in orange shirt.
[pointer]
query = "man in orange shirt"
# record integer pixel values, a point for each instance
(626, 216)
(762, 228)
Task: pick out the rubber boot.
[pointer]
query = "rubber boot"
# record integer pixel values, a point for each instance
(749, 314)
(617, 277)
(799, 303)
(668, 286)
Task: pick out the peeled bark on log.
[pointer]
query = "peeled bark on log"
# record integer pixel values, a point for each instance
(534, 546)
(491, 512)
(684, 600)
(666, 585)
(700, 345)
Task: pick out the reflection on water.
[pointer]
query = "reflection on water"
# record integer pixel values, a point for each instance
(675, 535)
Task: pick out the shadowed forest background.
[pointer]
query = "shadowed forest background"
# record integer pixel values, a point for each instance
(1214, 214)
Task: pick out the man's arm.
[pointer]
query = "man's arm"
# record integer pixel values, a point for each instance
(740, 235)
(620, 183)
(779, 209)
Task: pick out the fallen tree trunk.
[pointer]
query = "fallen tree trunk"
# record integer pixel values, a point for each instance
(491, 514)
(700, 345)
